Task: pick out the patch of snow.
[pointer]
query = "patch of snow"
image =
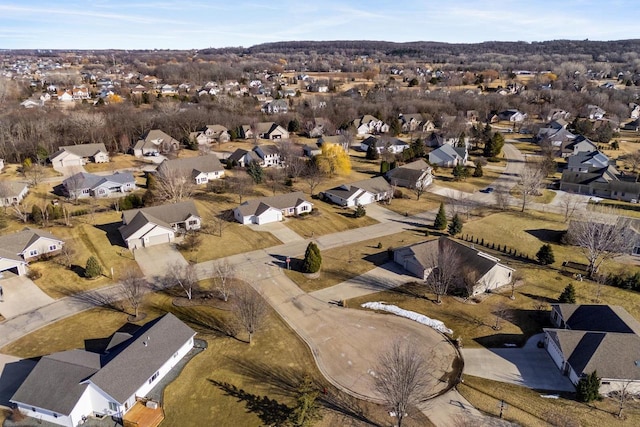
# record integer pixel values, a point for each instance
(420, 318)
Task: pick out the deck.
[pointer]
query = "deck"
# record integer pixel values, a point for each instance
(141, 416)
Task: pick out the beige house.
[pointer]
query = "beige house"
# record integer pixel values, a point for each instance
(17, 249)
(272, 209)
(79, 155)
(419, 259)
(12, 192)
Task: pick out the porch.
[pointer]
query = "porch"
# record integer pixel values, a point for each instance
(145, 413)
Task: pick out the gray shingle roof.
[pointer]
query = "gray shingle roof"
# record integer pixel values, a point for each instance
(377, 185)
(13, 188)
(58, 380)
(189, 165)
(410, 172)
(84, 150)
(19, 241)
(170, 214)
(280, 202)
(87, 180)
(155, 138)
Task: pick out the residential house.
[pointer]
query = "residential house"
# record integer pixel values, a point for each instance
(1, 164)
(242, 158)
(579, 144)
(369, 124)
(217, 133)
(592, 173)
(158, 224)
(512, 115)
(633, 125)
(83, 185)
(80, 92)
(448, 156)
(391, 145)
(311, 150)
(557, 114)
(31, 103)
(155, 142)
(12, 192)
(341, 140)
(589, 337)
(272, 209)
(64, 96)
(264, 130)
(556, 136)
(17, 249)
(269, 155)
(635, 110)
(201, 169)
(421, 258)
(79, 155)
(415, 123)
(635, 232)
(68, 387)
(359, 193)
(277, 106)
(594, 112)
(416, 174)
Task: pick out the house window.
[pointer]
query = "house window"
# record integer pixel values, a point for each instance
(113, 406)
(193, 222)
(153, 378)
(175, 354)
(33, 252)
(52, 247)
(636, 250)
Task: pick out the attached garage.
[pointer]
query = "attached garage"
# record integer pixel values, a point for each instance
(12, 265)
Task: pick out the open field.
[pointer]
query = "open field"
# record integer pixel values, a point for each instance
(409, 205)
(231, 383)
(444, 178)
(349, 261)
(527, 408)
(326, 219)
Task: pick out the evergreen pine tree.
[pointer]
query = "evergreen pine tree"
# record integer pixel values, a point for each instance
(93, 268)
(545, 255)
(306, 410)
(312, 259)
(36, 214)
(372, 153)
(588, 388)
(455, 227)
(568, 295)
(441, 219)
(478, 172)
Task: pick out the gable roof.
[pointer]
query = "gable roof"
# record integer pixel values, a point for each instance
(82, 150)
(168, 214)
(17, 242)
(58, 380)
(280, 202)
(155, 138)
(410, 172)
(382, 142)
(82, 180)
(375, 185)
(193, 165)
(598, 318)
(446, 154)
(13, 188)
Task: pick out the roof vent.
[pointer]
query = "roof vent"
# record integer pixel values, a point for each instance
(144, 343)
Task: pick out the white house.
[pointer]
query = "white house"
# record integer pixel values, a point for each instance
(602, 338)
(419, 260)
(12, 192)
(369, 124)
(155, 142)
(156, 225)
(79, 155)
(359, 193)
(201, 169)
(17, 249)
(448, 156)
(82, 185)
(391, 145)
(269, 155)
(68, 387)
(272, 209)
(242, 157)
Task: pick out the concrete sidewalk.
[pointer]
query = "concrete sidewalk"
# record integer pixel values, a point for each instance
(279, 230)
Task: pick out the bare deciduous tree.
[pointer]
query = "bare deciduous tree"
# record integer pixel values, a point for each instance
(313, 176)
(184, 276)
(401, 378)
(444, 264)
(173, 184)
(623, 395)
(569, 205)
(223, 275)
(221, 220)
(133, 287)
(501, 195)
(240, 185)
(470, 279)
(419, 188)
(21, 211)
(600, 237)
(66, 254)
(250, 309)
(274, 179)
(530, 182)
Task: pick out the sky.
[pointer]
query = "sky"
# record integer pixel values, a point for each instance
(199, 24)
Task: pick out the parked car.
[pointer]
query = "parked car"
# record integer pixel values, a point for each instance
(487, 190)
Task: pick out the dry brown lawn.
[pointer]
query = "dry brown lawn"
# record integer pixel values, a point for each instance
(231, 383)
(444, 178)
(118, 161)
(326, 219)
(349, 261)
(527, 408)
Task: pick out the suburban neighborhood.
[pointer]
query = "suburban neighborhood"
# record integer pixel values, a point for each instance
(263, 237)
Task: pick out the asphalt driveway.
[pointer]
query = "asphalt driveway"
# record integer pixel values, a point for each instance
(155, 261)
(528, 366)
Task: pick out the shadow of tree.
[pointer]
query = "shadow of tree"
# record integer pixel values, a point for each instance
(287, 381)
(270, 411)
